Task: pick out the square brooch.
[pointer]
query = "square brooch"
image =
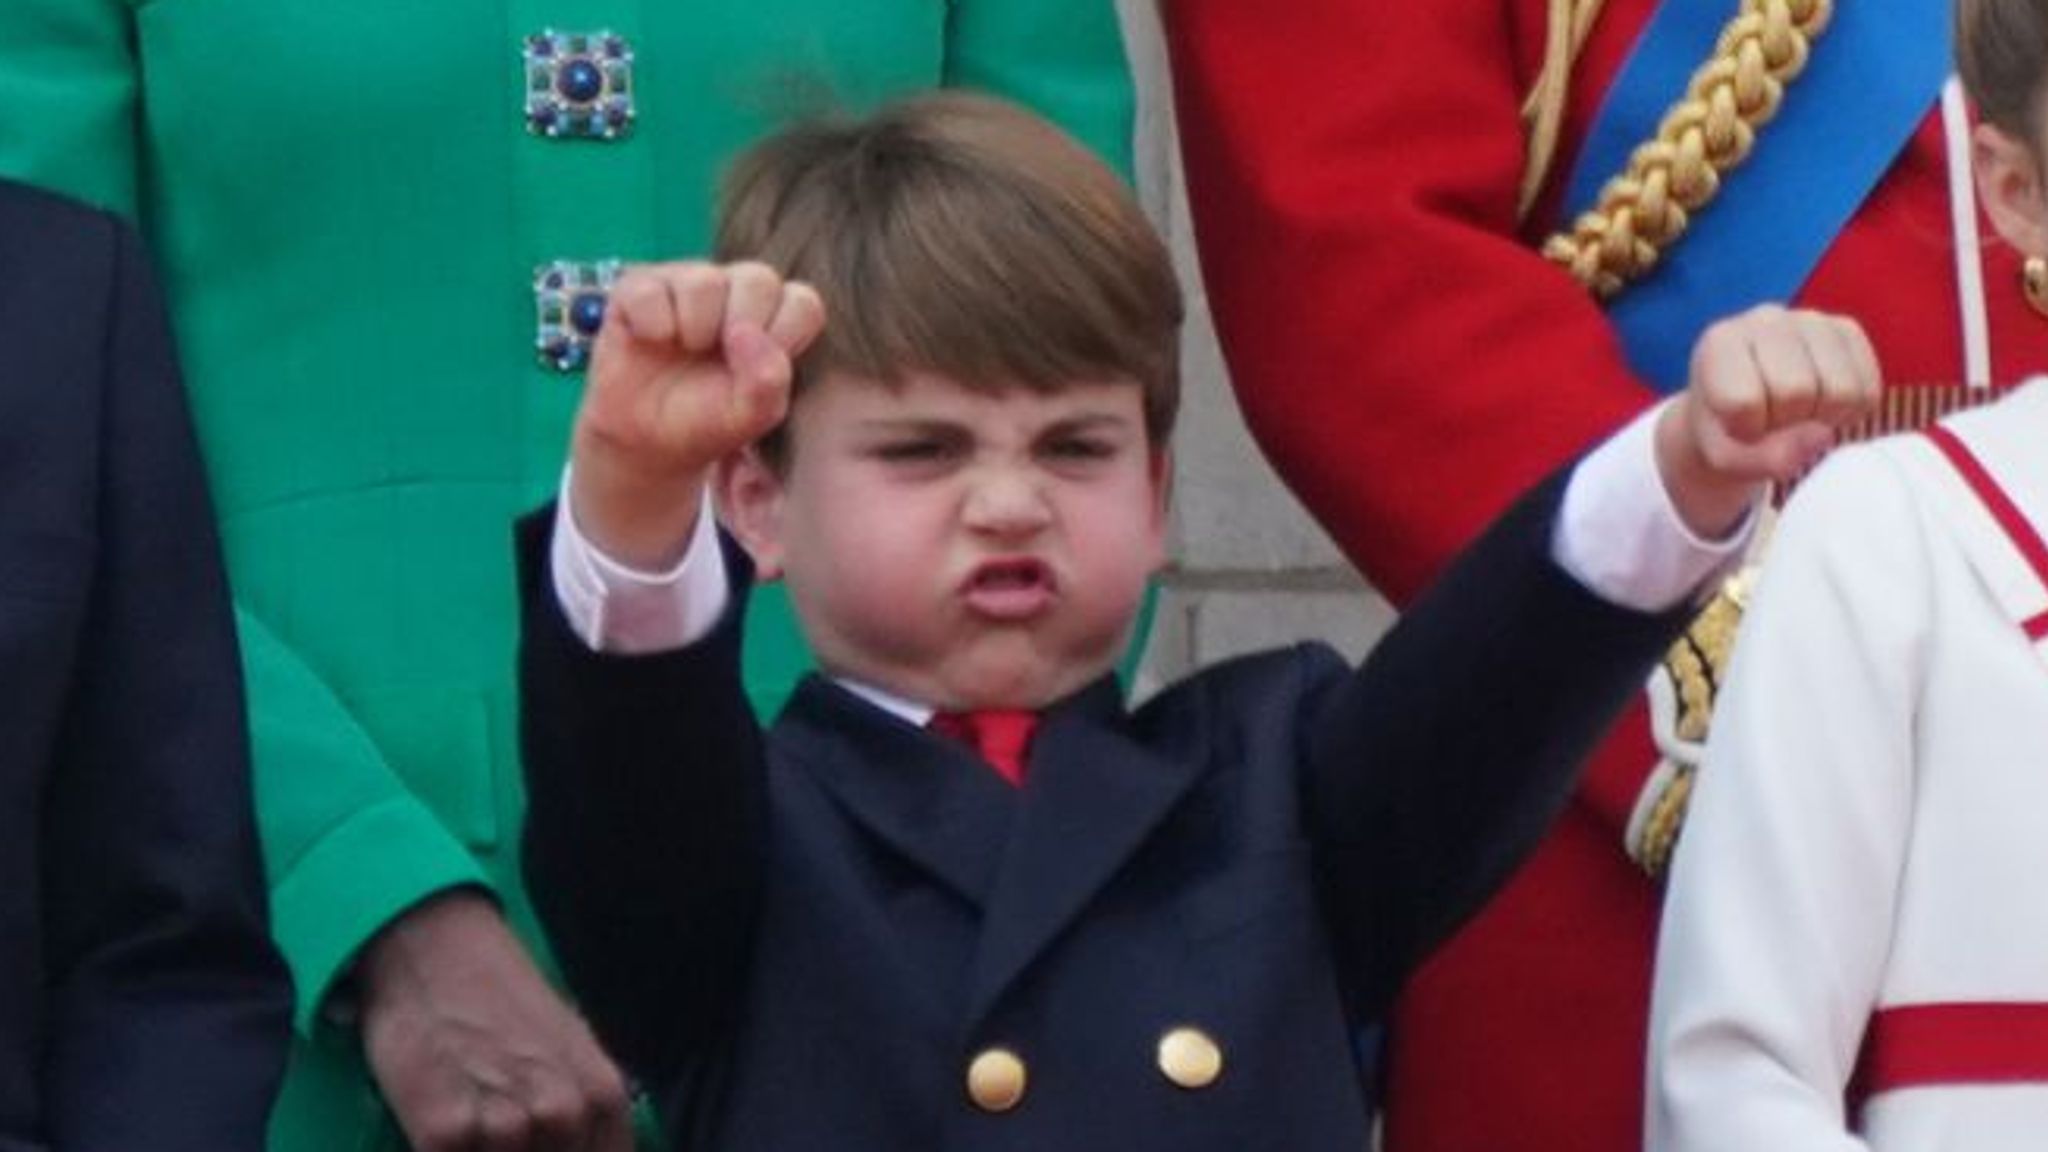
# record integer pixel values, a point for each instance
(568, 306)
(579, 86)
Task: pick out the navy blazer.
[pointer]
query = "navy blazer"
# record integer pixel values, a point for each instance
(141, 1004)
(804, 939)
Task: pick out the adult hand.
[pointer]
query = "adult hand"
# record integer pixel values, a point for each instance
(472, 1049)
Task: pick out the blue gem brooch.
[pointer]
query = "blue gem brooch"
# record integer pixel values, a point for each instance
(568, 308)
(579, 85)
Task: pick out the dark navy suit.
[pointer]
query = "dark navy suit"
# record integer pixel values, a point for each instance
(141, 1005)
(802, 939)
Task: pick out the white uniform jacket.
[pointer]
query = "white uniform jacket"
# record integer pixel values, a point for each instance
(1870, 832)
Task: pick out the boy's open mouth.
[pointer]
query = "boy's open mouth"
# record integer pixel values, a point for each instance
(1013, 588)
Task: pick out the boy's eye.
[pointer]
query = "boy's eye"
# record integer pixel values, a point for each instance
(1080, 448)
(914, 451)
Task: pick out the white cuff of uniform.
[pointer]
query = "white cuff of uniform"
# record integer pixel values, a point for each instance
(614, 608)
(1619, 534)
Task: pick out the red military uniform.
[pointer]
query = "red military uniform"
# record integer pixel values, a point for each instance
(1410, 362)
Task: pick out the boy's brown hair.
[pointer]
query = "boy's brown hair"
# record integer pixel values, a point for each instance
(2002, 56)
(961, 235)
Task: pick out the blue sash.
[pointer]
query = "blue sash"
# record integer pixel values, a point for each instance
(1875, 71)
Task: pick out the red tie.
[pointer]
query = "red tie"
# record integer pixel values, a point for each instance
(1000, 735)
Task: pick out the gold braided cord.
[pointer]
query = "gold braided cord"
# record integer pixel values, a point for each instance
(1543, 110)
(1667, 820)
(1646, 208)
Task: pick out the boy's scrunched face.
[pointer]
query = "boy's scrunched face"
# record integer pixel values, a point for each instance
(962, 549)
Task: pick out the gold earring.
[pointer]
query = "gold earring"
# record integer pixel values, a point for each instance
(2034, 283)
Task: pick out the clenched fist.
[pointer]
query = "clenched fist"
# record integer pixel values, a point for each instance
(694, 363)
(472, 1049)
(1768, 390)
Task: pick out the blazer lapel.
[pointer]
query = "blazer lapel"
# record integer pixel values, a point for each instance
(928, 797)
(1092, 796)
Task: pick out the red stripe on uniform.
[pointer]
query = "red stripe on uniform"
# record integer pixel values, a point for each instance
(2001, 507)
(1923, 1044)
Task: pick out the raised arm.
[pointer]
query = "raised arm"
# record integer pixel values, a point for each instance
(1441, 763)
(1438, 766)
(645, 830)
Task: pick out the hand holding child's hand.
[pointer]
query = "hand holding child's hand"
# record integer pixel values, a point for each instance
(694, 362)
(1768, 390)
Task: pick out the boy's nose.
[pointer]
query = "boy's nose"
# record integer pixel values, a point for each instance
(1007, 501)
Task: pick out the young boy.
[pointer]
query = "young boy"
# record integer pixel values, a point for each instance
(1109, 928)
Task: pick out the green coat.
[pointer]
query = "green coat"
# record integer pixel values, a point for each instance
(349, 209)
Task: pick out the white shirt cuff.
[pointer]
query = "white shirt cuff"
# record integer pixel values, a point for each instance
(1619, 534)
(614, 608)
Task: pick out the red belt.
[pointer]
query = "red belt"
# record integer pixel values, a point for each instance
(1922, 1044)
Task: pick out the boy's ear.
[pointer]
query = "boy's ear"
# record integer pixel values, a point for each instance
(749, 494)
(2009, 181)
(1161, 466)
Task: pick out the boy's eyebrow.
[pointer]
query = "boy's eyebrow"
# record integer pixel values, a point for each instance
(1089, 421)
(898, 425)
(1072, 424)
